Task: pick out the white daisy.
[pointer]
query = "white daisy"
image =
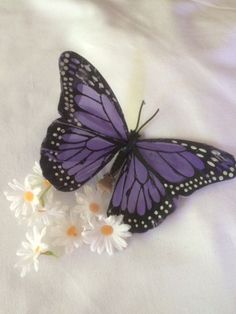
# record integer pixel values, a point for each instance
(37, 180)
(46, 215)
(31, 250)
(107, 234)
(23, 198)
(67, 232)
(91, 202)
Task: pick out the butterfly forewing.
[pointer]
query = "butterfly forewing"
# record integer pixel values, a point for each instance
(185, 166)
(87, 100)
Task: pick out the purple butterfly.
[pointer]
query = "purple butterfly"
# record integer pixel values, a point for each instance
(150, 173)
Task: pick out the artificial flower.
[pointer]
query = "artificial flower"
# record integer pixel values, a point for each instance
(91, 202)
(24, 198)
(31, 250)
(67, 232)
(37, 180)
(107, 234)
(45, 215)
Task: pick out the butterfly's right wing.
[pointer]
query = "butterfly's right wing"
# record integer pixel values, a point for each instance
(140, 196)
(158, 172)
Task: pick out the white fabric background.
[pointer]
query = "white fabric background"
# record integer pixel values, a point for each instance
(178, 55)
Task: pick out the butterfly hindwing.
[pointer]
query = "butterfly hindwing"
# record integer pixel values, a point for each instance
(160, 171)
(87, 100)
(140, 196)
(70, 156)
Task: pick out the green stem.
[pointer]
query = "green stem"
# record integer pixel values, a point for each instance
(49, 253)
(42, 201)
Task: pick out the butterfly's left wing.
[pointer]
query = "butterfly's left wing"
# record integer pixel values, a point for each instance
(70, 156)
(161, 170)
(90, 131)
(87, 100)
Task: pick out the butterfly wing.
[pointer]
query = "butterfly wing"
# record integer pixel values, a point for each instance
(140, 196)
(158, 172)
(186, 166)
(70, 155)
(92, 128)
(87, 100)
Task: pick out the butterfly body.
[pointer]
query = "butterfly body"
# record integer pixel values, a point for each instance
(150, 174)
(132, 140)
(124, 153)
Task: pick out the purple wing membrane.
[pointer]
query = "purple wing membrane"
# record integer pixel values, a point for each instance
(169, 160)
(140, 196)
(87, 100)
(186, 166)
(70, 156)
(159, 172)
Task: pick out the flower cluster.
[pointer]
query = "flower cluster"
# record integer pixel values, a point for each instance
(55, 228)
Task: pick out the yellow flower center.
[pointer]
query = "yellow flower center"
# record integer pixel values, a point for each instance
(72, 231)
(94, 207)
(28, 196)
(106, 230)
(46, 184)
(37, 250)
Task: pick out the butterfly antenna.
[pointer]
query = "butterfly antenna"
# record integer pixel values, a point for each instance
(152, 117)
(139, 115)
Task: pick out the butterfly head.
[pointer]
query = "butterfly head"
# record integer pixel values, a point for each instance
(133, 137)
